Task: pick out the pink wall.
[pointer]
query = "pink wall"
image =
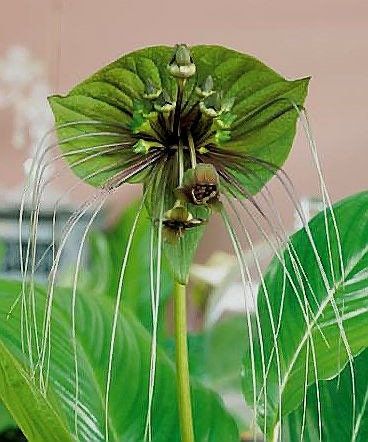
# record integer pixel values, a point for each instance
(326, 39)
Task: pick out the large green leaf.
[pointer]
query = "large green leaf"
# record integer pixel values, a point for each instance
(295, 340)
(52, 417)
(216, 361)
(336, 409)
(264, 125)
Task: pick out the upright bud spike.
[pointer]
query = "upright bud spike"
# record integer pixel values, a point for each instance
(182, 65)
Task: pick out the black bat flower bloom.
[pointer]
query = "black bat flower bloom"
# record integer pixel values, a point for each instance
(188, 123)
(202, 129)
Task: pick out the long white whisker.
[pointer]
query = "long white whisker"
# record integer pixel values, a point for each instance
(326, 200)
(116, 315)
(72, 165)
(74, 297)
(328, 290)
(247, 309)
(275, 332)
(148, 429)
(302, 307)
(53, 272)
(293, 254)
(33, 238)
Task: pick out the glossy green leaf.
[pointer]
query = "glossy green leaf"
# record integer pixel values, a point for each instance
(265, 117)
(348, 289)
(107, 97)
(336, 409)
(52, 418)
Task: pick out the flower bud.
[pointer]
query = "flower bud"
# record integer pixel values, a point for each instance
(151, 91)
(227, 104)
(181, 64)
(214, 105)
(142, 115)
(164, 103)
(211, 105)
(206, 89)
(225, 120)
(143, 146)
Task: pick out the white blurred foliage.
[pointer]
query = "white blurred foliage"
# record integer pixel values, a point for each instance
(24, 89)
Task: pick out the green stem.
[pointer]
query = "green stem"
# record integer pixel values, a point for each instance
(182, 367)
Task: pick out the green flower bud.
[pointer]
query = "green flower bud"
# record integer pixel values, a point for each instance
(206, 89)
(151, 91)
(227, 104)
(203, 149)
(222, 136)
(164, 103)
(142, 115)
(211, 105)
(225, 120)
(181, 64)
(214, 105)
(143, 146)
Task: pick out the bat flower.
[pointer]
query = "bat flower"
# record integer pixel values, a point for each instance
(201, 186)
(177, 221)
(191, 124)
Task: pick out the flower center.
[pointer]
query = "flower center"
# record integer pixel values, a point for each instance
(164, 121)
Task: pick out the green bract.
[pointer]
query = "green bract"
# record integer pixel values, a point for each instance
(155, 113)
